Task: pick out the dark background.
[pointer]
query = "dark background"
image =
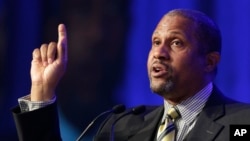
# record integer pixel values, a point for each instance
(108, 43)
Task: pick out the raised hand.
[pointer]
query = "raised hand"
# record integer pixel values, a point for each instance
(48, 66)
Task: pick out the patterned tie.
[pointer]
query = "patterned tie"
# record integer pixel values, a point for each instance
(167, 129)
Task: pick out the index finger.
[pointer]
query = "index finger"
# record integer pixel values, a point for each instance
(62, 48)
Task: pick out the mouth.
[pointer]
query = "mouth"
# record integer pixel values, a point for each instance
(159, 70)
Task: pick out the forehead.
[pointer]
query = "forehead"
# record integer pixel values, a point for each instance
(174, 24)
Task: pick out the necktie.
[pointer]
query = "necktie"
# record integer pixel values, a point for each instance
(167, 129)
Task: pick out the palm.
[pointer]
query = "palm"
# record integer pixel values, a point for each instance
(46, 75)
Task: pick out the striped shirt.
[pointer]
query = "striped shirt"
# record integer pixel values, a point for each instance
(189, 110)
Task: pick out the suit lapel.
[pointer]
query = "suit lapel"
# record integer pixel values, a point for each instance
(206, 128)
(149, 126)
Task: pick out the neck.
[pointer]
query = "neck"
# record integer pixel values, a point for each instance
(180, 95)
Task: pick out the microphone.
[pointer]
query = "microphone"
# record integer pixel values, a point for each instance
(136, 110)
(116, 110)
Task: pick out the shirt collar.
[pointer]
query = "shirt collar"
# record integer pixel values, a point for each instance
(191, 107)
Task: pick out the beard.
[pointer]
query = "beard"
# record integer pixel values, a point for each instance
(163, 88)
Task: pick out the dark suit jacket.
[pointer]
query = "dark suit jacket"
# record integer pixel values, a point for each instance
(212, 125)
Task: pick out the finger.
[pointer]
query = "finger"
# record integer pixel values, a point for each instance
(62, 43)
(43, 51)
(51, 52)
(36, 55)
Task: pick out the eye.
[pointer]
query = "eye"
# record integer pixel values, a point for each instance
(156, 42)
(176, 43)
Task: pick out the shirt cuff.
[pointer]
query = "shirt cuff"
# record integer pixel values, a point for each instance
(27, 105)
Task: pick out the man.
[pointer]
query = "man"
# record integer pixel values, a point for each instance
(182, 65)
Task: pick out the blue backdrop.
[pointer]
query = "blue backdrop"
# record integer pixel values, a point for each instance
(24, 18)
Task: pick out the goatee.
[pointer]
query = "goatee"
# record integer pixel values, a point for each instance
(162, 89)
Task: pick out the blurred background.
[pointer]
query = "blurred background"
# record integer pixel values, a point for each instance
(108, 43)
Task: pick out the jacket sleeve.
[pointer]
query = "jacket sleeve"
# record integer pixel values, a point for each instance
(38, 125)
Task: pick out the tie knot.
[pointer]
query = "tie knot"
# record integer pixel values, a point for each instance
(173, 113)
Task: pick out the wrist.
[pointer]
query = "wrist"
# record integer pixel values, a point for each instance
(41, 93)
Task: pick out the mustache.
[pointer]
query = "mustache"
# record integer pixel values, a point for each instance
(166, 66)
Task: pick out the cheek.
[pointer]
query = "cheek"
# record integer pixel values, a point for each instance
(184, 64)
(190, 65)
(149, 61)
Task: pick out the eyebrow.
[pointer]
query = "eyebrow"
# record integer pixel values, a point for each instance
(155, 32)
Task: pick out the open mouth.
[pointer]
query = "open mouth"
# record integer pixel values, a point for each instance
(158, 70)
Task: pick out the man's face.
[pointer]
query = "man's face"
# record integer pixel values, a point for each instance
(175, 67)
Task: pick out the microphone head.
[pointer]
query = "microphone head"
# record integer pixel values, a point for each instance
(118, 109)
(138, 109)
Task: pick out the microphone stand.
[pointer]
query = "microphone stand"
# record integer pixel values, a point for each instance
(116, 110)
(135, 111)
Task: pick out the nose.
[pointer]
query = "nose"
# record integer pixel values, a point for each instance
(161, 52)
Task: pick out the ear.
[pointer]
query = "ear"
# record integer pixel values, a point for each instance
(212, 60)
